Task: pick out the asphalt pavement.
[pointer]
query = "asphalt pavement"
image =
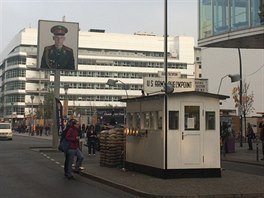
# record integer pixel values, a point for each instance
(231, 184)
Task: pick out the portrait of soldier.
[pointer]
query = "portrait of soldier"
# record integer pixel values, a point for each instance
(58, 56)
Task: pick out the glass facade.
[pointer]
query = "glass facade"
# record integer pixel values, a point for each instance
(223, 16)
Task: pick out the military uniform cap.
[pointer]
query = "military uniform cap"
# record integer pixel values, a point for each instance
(59, 30)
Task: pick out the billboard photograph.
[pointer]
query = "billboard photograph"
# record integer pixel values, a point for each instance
(57, 45)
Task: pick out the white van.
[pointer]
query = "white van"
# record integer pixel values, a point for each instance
(6, 131)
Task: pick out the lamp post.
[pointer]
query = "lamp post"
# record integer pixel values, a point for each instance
(112, 83)
(234, 78)
(12, 109)
(65, 102)
(32, 118)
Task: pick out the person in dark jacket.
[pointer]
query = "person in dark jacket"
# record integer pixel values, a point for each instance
(73, 137)
(250, 136)
(91, 139)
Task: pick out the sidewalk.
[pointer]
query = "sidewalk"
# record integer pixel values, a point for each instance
(243, 155)
(231, 184)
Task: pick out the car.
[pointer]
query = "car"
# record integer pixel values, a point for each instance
(6, 131)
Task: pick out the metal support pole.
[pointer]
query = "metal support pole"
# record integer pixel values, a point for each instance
(32, 116)
(166, 81)
(240, 99)
(65, 102)
(55, 136)
(257, 151)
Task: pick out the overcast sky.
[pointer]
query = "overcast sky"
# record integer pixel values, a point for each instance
(130, 16)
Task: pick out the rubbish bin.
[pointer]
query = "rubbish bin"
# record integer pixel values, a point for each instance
(230, 144)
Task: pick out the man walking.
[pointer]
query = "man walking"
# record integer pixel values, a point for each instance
(73, 137)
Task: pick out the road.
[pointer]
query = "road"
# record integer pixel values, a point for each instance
(28, 174)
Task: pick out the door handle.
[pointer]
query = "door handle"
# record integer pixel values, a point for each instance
(182, 136)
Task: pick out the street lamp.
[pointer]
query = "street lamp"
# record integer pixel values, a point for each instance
(32, 118)
(112, 83)
(234, 78)
(12, 109)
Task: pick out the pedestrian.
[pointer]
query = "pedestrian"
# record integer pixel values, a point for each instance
(261, 137)
(83, 129)
(250, 136)
(58, 56)
(47, 128)
(91, 139)
(63, 136)
(40, 130)
(73, 137)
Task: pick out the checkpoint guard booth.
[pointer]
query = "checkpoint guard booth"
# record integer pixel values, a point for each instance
(189, 147)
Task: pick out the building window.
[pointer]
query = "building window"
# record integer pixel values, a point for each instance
(239, 14)
(16, 60)
(221, 17)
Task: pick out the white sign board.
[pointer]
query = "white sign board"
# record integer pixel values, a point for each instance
(201, 85)
(156, 84)
(14, 114)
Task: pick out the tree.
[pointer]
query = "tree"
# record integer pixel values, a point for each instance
(247, 100)
(48, 104)
(39, 112)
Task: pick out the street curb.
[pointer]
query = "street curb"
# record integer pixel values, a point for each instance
(118, 186)
(243, 162)
(144, 194)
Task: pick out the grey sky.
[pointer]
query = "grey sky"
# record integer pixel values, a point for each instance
(122, 16)
(130, 16)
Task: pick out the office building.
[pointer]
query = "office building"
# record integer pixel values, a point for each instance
(101, 56)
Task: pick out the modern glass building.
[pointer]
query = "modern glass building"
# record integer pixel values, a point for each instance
(231, 23)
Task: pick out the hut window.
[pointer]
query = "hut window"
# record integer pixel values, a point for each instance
(173, 119)
(192, 117)
(160, 120)
(210, 120)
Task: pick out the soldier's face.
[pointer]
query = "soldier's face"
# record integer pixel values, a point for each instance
(59, 40)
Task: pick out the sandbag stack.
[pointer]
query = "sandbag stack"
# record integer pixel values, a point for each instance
(112, 147)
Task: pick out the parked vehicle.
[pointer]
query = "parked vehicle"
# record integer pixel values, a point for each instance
(6, 131)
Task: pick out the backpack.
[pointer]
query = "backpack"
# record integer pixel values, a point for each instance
(64, 144)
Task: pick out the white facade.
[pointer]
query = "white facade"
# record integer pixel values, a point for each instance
(101, 56)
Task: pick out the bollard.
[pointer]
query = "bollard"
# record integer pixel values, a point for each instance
(257, 152)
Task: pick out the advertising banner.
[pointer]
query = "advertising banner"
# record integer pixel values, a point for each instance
(59, 116)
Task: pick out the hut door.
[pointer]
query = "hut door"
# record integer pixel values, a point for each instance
(191, 135)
